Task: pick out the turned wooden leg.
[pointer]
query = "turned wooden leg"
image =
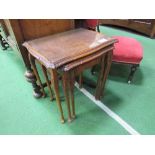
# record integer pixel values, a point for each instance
(30, 77)
(66, 81)
(32, 61)
(4, 44)
(72, 81)
(55, 81)
(107, 66)
(47, 81)
(132, 72)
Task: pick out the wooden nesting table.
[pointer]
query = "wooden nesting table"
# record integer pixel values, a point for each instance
(70, 53)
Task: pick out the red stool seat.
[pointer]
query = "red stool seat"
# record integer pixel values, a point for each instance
(91, 23)
(127, 50)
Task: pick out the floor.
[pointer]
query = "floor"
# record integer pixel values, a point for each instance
(21, 113)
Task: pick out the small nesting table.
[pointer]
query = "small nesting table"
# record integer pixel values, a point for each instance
(70, 52)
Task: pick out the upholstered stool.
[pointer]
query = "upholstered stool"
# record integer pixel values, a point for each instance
(128, 51)
(92, 24)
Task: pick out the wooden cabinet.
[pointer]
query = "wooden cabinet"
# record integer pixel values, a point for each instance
(145, 26)
(21, 30)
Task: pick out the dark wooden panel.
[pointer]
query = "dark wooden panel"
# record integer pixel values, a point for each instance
(140, 25)
(36, 28)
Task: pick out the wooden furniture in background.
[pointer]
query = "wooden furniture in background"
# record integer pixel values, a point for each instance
(3, 40)
(145, 26)
(22, 30)
(68, 52)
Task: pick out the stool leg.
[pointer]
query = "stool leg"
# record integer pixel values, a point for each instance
(132, 72)
(47, 81)
(65, 81)
(32, 60)
(72, 81)
(54, 79)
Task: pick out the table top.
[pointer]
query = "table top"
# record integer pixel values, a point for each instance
(56, 50)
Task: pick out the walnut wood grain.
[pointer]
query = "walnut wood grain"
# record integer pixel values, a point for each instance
(57, 50)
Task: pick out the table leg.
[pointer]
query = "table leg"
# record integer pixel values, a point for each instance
(100, 78)
(107, 69)
(32, 60)
(47, 81)
(72, 81)
(54, 80)
(66, 80)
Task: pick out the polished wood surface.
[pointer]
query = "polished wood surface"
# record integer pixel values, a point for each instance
(62, 48)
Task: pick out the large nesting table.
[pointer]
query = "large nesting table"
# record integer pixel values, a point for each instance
(68, 52)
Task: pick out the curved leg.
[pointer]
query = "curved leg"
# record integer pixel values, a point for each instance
(54, 79)
(132, 72)
(65, 81)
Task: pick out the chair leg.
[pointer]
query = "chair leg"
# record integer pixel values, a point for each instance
(132, 72)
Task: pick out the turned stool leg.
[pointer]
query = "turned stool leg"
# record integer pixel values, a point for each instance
(32, 60)
(65, 81)
(132, 72)
(47, 81)
(54, 80)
